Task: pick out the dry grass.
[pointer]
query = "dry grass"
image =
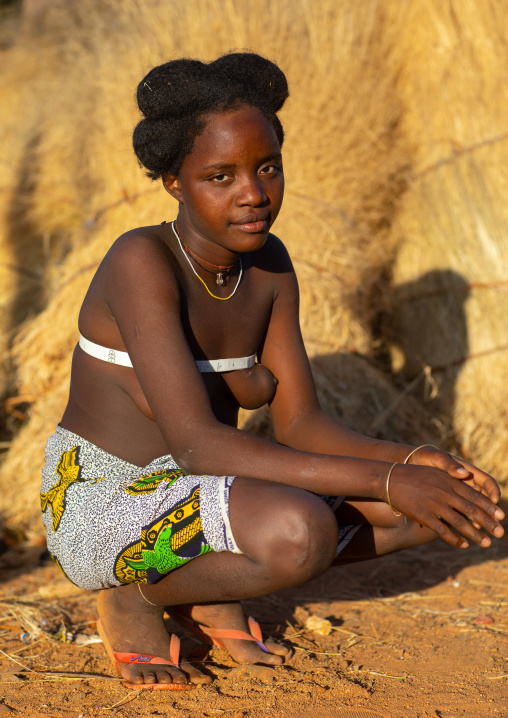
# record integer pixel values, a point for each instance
(448, 298)
(381, 94)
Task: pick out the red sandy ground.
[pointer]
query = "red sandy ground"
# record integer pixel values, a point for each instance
(404, 643)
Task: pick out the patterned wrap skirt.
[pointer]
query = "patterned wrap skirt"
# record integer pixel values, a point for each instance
(109, 522)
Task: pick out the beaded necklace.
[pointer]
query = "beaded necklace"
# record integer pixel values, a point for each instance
(240, 274)
(218, 269)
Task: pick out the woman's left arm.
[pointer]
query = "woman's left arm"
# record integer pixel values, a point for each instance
(300, 422)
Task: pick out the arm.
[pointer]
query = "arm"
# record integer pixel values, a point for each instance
(300, 422)
(144, 297)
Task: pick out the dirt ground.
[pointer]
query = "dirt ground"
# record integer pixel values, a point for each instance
(419, 634)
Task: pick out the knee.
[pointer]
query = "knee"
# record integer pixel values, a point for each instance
(309, 535)
(298, 536)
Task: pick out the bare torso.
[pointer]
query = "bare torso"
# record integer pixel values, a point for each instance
(107, 404)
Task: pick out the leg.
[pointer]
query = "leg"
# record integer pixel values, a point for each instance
(287, 536)
(380, 533)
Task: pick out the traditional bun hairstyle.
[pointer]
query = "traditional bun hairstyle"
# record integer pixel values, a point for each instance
(175, 99)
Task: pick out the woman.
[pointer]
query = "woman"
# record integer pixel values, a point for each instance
(139, 484)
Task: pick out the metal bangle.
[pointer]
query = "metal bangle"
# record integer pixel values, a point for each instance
(141, 592)
(396, 463)
(422, 446)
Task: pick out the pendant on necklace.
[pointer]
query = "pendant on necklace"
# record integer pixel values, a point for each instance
(219, 280)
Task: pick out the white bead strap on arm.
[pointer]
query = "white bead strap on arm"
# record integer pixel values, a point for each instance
(113, 356)
(220, 365)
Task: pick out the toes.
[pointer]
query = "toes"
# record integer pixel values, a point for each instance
(155, 674)
(251, 653)
(279, 649)
(270, 659)
(140, 677)
(199, 678)
(193, 675)
(163, 676)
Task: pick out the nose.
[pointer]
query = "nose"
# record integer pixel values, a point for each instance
(250, 191)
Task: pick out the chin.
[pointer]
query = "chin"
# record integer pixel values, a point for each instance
(253, 242)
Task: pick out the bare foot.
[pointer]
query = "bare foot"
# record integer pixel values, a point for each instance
(231, 616)
(133, 626)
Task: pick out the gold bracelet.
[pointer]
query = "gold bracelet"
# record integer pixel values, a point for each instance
(397, 513)
(417, 449)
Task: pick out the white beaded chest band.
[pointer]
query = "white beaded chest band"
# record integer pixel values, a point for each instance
(204, 365)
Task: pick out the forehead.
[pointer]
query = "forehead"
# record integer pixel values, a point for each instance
(231, 136)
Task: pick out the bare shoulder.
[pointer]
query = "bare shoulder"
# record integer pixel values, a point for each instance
(274, 262)
(138, 260)
(141, 247)
(273, 257)
(138, 268)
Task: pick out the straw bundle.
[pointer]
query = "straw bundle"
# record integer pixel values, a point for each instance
(445, 321)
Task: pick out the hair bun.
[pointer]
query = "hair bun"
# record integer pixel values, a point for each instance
(263, 83)
(174, 89)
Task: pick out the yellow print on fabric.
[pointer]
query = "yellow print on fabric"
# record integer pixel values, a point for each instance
(150, 482)
(68, 470)
(179, 531)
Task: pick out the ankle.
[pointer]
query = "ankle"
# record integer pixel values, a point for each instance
(147, 599)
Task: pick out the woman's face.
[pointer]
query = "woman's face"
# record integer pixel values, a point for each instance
(230, 187)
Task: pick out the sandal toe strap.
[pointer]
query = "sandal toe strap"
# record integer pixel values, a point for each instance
(174, 654)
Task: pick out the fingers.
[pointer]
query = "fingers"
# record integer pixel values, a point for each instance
(452, 467)
(430, 456)
(487, 485)
(453, 509)
(459, 469)
(469, 514)
(445, 533)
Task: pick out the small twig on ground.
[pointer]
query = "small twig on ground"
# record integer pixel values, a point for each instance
(385, 675)
(497, 629)
(66, 675)
(124, 700)
(317, 653)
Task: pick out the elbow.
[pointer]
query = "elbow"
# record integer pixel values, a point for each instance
(195, 457)
(201, 449)
(187, 460)
(294, 430)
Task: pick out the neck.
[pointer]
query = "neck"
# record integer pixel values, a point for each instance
(203, 250)
(220, 279)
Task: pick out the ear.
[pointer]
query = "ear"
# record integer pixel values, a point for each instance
(173, 185)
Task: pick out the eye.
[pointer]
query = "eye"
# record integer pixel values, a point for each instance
(270, 169)
(220, 177)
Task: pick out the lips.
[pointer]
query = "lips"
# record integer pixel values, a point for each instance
(254, 223)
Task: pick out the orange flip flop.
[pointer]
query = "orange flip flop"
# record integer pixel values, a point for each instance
(118, 657)
(213, 636)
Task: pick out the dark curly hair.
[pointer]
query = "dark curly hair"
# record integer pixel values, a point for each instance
(176, 98)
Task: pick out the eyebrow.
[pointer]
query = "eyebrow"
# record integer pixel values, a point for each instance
(227, 166)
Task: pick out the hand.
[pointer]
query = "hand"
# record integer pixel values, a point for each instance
(459, 469)
(449, 506)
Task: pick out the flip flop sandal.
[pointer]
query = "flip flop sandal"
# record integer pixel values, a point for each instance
(117, 657)
(213, 636)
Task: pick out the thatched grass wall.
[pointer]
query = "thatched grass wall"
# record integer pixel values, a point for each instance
(362, 180)
(447, 330)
